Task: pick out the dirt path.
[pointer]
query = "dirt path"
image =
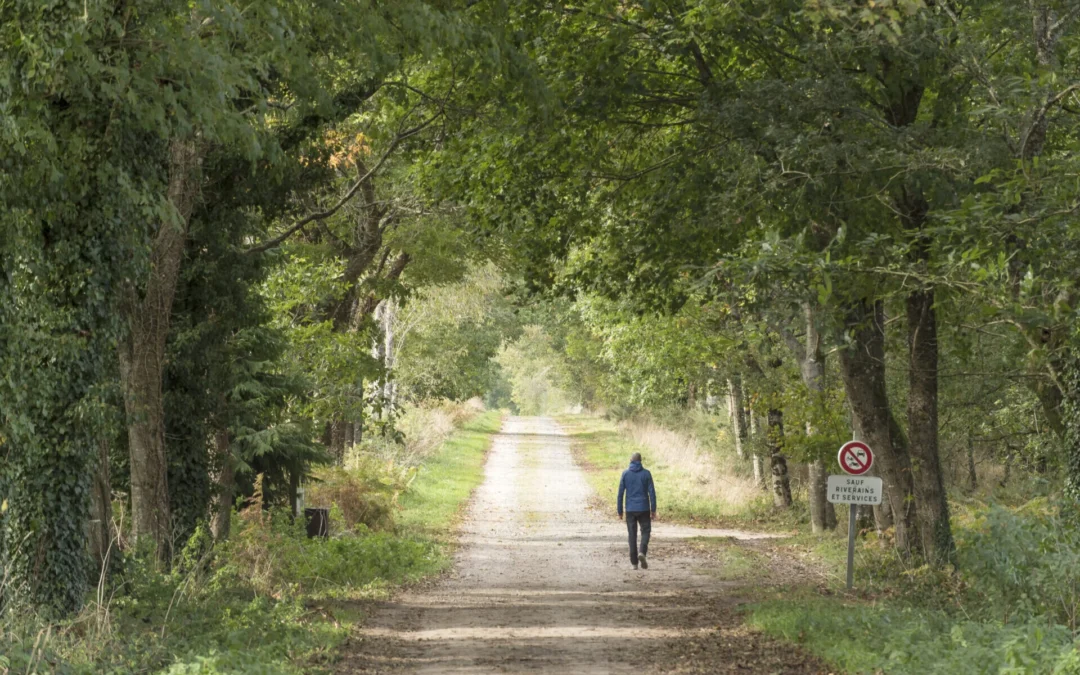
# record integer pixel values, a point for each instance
(543, 583)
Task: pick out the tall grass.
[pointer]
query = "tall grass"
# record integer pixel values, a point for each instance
(709, 475)
(694, 483)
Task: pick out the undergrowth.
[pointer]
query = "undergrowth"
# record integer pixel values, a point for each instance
(1009, 606)
(269, 600)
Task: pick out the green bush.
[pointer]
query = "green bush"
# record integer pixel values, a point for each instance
(901, 641)
(365, 492)
(1023, 564)
(1010, 606)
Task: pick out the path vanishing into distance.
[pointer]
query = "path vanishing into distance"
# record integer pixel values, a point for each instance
(542, 583)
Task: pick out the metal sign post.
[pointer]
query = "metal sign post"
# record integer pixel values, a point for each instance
(852, 512)
(853, 489)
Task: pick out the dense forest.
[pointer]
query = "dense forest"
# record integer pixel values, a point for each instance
(267, 254)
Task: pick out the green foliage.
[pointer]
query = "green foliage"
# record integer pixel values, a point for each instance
(256, 604)
(448, 334)
(1010, 606)
(871, 639)
(535, 371)
(1021, 565)
(273, 554)
(365, 491)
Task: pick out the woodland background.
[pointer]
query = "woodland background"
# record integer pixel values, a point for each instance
(249, 248)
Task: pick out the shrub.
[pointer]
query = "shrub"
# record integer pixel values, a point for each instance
(275, 556)
(365, 492)
(1022, 564)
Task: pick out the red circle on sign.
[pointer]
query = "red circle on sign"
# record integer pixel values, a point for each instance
(855, 458)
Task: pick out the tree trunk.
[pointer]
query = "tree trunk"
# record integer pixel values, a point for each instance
(337, 441)
(863, 368)
(756, 458)
(882, 512)
(386, 351)
(812, 368)
(225, 484)
(737, 415)
(294, 493)
(100, 526)
(973, 478)
(1071, 441)
(142, 358)
(822, 513)
(932, 504)
(781, 484)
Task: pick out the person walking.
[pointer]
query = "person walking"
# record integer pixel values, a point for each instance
(637, 484)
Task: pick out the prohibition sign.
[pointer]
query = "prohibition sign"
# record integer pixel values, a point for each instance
(855, 458)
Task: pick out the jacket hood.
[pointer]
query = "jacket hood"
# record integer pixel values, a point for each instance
(635, 466)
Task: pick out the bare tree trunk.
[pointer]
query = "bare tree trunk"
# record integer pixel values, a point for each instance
(781, 483)
(932, 504)
(755, 451)
(100, 526)
(737, 415)
(384, 350)
(812, 368)
(225, 484)
(822, 515)
(863, 367)
(142, 357)
(389, 357)
(973, 478)
(294, 493)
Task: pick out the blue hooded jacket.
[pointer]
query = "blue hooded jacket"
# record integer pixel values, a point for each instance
(637, 484)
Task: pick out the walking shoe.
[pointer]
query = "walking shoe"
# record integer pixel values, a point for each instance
(635, 566)
(643, 561)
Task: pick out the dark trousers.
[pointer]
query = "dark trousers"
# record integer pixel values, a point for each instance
(633, 520)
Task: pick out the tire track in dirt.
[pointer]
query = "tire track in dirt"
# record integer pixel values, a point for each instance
(542, 583)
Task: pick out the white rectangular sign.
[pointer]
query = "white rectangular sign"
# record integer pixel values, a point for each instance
(855, 490)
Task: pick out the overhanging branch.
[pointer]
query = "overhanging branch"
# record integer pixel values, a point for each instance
(349, 194)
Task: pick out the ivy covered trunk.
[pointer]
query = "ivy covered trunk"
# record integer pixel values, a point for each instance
(142, 358)
(99, 529)
(781, 483)
(932, 505)
(863, 368)
(52, 343)
(1070, 377)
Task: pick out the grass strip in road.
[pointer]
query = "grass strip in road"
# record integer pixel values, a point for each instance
(433, 503)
